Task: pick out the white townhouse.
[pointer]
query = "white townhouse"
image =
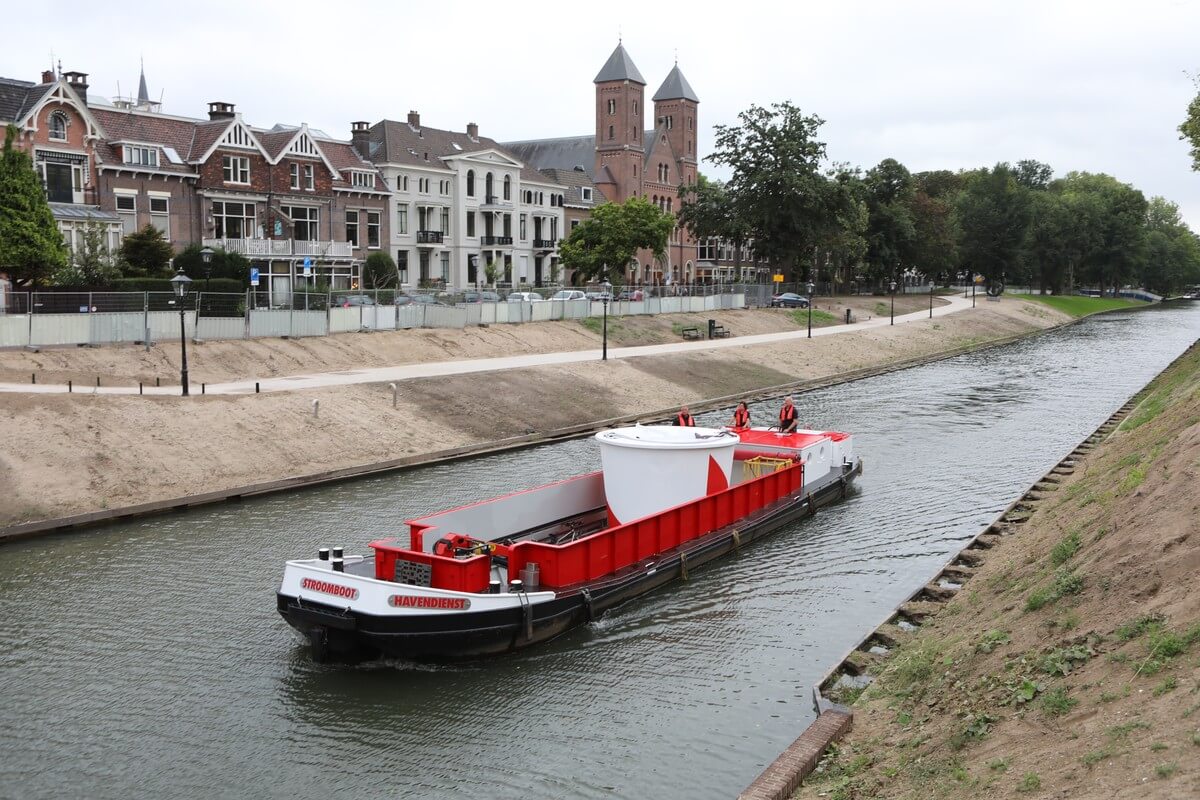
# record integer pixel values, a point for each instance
(460, 201)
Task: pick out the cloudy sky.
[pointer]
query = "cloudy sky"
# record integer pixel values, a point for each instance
(1093, 86)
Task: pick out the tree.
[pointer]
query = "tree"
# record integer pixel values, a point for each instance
(992, 215)
(845, 243)
(146, 253)
(1047, 244)
(31, 246)
(1189, 129)
(602, 246)
(891, 230)
(379, 271)
(708, 212)
(91, 263)
(223, 265)
(1118, 221)
(491, 271)
(777, 184)
(1172, 250)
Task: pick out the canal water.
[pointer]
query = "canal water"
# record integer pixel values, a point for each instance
(147, 659)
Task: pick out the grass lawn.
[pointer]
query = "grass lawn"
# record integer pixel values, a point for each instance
(820, 319)
(1079, 306)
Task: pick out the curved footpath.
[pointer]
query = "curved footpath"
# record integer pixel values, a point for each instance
(80, 459)
(954, 305)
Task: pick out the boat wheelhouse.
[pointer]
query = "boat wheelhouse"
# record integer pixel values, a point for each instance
(516, 570)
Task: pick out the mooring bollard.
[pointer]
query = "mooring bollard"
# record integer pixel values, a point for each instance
(316, 408)
(395, 393)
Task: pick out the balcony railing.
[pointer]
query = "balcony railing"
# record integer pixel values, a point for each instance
(495, 240)
(544, 244)
(282, 247)
(429, 237)
(496, 202)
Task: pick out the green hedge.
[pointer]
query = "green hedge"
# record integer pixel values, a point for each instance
(215, 285)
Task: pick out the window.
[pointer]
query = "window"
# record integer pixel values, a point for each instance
(507, 187)
(610, 131)
(233, 220)
(471, 224)
(612, 107)
(294, 174)
(635, 170)
(635, 106)
(402, 183)
(689, 146)
(422, 218)
(373, 230)
(690, 121)
(57, 123)
(523, 234)
(160, 214)
(445, 268)
(670, 122)
(554, 228)
(402, 218)
(470, 183)
(541, 198)
(423, 185)
(142, 156)
(305, 222)
(308, 177)
(445, 222)
(364, 180)
(488, 193)
(508, 225)
(402, 265)
(352, 227)
(574, 224)
(586, 193)
(236, 168)
(127, 209)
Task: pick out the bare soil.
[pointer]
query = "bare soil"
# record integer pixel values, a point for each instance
(1069, 665)
(65, 454)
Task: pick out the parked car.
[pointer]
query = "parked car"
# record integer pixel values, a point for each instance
(569, 294)
(481, 297)
(402, 300)
(426, 299)
(348, 300)
(525, 297)
(632, 294)
(598, 295)
(789, 300)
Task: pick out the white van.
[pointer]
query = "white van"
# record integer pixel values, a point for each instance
(525, 297)
(569, 294)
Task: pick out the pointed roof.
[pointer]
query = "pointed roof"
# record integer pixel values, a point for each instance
(143, 93)
(619, 67)
(676, 87)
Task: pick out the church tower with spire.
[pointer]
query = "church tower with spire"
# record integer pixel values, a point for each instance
(676, 109)
(620, 109)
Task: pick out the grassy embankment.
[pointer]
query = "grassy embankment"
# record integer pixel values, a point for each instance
(1069, 664)
(1080, 306)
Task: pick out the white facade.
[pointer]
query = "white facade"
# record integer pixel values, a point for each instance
(447, 225)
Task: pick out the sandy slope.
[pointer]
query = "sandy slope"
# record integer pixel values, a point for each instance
(63, 454)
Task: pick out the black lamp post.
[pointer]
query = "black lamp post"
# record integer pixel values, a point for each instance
(180, 284)
(972, 291)
(893, 322)
(810, 301)
(931, 299)
(206, 255)
(604, 299)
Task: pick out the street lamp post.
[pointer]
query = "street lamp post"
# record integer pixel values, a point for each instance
(180, 284)
(810, 301)
(604, 299)
(893, 322)
(931, 299)
(972, 291)
(206, 255)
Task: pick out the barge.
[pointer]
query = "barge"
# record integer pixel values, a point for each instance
(513, 571)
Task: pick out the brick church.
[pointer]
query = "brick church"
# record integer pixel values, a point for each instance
(623, 159)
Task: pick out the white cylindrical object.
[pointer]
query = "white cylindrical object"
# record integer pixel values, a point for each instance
(650, 468)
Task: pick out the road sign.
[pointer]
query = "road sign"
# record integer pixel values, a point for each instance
(777, 278)
(254, 276)
(307, 267)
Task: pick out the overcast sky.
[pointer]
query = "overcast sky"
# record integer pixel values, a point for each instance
(1082, 86)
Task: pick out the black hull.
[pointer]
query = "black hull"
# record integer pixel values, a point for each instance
(337, 635)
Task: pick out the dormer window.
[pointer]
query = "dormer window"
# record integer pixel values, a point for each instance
(586, 193)
(141, 156)
(57, 124)
(365, 180)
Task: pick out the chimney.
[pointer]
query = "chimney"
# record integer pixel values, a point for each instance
(220, 110)
(473, 131)
(414, 120)
(48, 76)
(360, 139)
(78, 82)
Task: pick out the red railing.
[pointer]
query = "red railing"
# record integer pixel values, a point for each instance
(458, 574)
(624, 545)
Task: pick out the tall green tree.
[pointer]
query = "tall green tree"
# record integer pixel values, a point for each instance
(890, 228)
(777, 184)
(1189, 129)
(146, 253)
(992, 214)
(1118, 245)
(708, 212)
(31, 247)
(844, 243)
(602, 246)
(1048, 240)
(1172, 250)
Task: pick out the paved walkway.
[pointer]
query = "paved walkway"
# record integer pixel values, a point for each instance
(439, 368)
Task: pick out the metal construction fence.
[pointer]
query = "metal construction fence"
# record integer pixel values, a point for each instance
(92, 318)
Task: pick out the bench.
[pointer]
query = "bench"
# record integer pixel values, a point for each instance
(690, 333)
(720, 332)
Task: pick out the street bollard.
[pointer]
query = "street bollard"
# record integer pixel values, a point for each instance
(316, 408)
(139, 387)
(97, 381)
(158, 381)
(34, 378)
(395, 393)
(202, 387)
(256, 387)
(69, 387)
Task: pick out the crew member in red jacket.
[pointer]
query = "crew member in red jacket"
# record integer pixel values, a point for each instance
(684, 419)
(741, 416)
(787, 417)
